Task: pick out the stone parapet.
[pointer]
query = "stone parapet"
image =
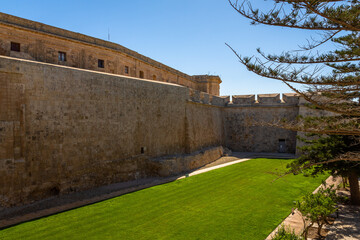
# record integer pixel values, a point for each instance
(205, 98)
(269, 98)
(194, 95)
(243, 99)
(220, 101)
(288, 99)
(291, 98)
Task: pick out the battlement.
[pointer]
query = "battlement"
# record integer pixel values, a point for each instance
(288, 99)
(269, 98)
(291, 98)
(243, 99)
(205, 98)
(265, 99)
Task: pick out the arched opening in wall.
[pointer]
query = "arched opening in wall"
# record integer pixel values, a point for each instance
(154, 77)
(141, 74)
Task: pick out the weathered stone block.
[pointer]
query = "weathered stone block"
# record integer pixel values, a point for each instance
(269, 98)
(291, 98)
(243, 99)
(205, 98)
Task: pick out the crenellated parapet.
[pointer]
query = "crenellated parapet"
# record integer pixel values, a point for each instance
(274, 99)
(291, 98)
(269, 98)
(265, 100)
(205, 98)
(220, 101)
(243, 99)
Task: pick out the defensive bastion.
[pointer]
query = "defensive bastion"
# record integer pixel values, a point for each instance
(67, 128)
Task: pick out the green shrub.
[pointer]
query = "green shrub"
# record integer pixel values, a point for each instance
(285, 233)
(315, 208)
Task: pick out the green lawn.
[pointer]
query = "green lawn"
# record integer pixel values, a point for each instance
(234, 202)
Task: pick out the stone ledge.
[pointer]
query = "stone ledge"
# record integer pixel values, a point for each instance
(168, 166)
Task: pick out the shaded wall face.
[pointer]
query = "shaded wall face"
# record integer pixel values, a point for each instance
(45, 48)
(65, 129)
(306, 111)
(204, 126)
(243, 136)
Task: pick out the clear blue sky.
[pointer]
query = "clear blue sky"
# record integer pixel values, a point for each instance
(188, 35)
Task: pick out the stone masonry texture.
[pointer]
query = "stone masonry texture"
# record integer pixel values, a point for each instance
(43, 43)
(64, 129)
(72, 125)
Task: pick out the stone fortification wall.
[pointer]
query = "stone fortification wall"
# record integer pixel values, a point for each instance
(65, 129)
(245, 117)
(43, 43)
(306, 111)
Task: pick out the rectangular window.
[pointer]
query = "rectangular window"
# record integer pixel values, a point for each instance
(62, 56)
(126, 69)
(101, 63)
(282, 146)
(15, 47)
(141, 73)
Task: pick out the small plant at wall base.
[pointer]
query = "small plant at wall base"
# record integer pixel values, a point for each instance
(285, 233)
(315, 208)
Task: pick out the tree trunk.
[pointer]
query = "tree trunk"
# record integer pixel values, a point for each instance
(354, 188)
(320, 225)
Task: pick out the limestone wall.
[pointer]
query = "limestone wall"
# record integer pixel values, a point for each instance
(43, 43)
(245, 122)
(65, 129)
(204, 125)
(307, 111)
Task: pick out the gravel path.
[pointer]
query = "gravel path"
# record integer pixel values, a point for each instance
(347, 225)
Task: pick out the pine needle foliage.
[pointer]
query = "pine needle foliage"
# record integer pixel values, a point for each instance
(329, 77)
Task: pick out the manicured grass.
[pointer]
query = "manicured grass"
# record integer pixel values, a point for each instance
(235, 202)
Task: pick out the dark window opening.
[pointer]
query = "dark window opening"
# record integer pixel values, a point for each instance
(15, 47)
(141, 74)
(101, 63)
(154, 77)
(142, 150)
(282, 145)
(126, 69)
(54, 191)
(62, 56)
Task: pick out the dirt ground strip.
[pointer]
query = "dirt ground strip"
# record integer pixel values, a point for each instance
(46, 207)
(347, 225)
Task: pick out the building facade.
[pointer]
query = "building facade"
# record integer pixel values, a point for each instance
(22, 38)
